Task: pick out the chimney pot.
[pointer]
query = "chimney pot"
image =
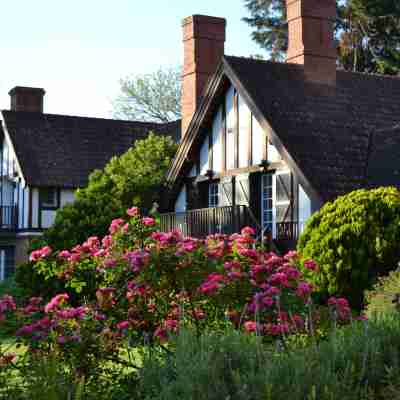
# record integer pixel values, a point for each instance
(27, 99)
(203, 41)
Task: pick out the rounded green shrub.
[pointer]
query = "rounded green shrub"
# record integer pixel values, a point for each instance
(355, 239)
(384, 298)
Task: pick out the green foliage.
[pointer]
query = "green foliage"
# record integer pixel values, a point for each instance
(154, 97)
(385, 296)
(358, 362)
(135, 177)
(354, 239)
(367, 32)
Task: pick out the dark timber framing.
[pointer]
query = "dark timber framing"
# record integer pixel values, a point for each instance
(211, 100)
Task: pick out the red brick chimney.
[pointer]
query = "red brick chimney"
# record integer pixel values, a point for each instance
(311, 38)
(204, 41)
(27, 99)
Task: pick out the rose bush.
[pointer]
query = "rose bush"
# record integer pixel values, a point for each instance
(138, 285)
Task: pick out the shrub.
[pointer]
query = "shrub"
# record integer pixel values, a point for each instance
(135, 177)
(385, 296)
(138, 285)
(354, 240)
(357, 362)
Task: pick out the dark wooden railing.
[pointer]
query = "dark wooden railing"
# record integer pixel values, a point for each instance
(8, 217)
(287, 230)
(207, 221)
(230, 219)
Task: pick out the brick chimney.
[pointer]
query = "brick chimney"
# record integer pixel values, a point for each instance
(27, 99)
(311, 38)
(204, 41)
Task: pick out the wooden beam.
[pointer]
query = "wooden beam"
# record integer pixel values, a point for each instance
(236, 128)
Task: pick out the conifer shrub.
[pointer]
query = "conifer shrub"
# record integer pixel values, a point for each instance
(355, 239)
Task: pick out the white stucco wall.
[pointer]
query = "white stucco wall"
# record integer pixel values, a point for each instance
(244, 129)
(257, 142)
(204, 157)
(217, 142)
(180, 204)
(304, 208)
(66, 196)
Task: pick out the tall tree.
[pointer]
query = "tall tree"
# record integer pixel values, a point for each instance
(367, 32)
(153, 97)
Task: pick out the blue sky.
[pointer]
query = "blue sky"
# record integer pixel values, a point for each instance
(77, 50)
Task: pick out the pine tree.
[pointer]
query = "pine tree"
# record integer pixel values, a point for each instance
(367, 32)
(268, 18)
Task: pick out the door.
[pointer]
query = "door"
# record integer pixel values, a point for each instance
(277, 204)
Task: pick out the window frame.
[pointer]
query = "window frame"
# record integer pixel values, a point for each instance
(213, 195)
(47, 205)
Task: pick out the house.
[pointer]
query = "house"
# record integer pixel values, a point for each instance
(266, 144)
(45, 158)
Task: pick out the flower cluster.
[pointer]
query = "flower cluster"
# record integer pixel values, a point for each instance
(145, 284)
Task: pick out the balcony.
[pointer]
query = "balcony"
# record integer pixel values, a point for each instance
(8, 218)
(208, 221)
(227, 220)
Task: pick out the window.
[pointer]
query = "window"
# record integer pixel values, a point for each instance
(7, 262)
(48, 198)
(267, 203)
(213, 195)
(230, 128)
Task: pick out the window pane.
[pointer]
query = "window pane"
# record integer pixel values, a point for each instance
(283, 188)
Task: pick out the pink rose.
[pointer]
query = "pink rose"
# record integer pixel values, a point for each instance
(133, 211)
(148, 221)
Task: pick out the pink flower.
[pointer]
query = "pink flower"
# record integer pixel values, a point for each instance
(40, 254)
(64, 254)
(107, 241)
(55, 302)
(304, 289)
(133, 211)
(250, 326)
(148, 221)
(123, 325)
(311, 265)
(61, 340)
(291, 255)
(7, 303)
(248, 231)
(115, 225)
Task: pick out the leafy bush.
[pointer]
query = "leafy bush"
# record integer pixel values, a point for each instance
(137, 286)
(354, 240)
(357, 362)
(385, 296)
(136, 177)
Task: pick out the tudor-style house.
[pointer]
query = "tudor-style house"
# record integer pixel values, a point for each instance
(45, 158)
(266, 144)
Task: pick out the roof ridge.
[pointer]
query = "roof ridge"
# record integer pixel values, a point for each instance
(291, 65)
(90, 118)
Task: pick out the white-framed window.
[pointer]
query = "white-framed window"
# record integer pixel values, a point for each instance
(213, 195)
(275, 199)
(230, 128)
(267, 202)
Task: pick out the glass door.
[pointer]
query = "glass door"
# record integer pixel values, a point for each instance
(276, 203)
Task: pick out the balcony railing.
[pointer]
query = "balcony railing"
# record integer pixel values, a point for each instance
(8, 217)
(208, 221)
(287, 230)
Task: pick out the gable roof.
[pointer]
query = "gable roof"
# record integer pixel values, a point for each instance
(324, 132)
(61, 151)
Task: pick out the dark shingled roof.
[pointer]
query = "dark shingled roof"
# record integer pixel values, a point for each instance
(61, 151)
(338, 136)
(331, 132)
